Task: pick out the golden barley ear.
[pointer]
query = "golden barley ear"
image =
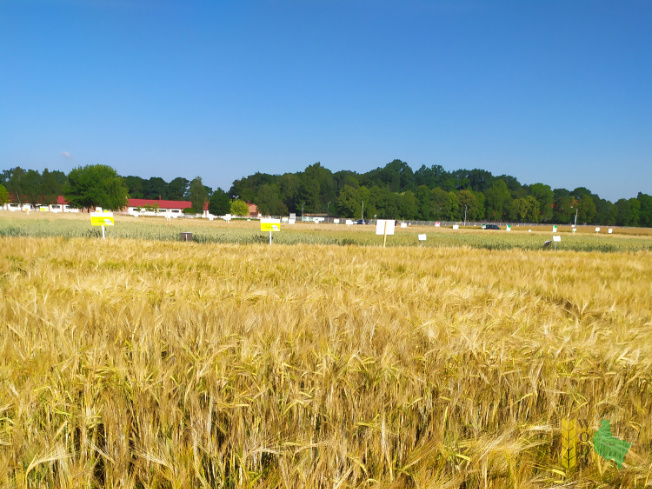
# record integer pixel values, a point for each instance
(568, 443)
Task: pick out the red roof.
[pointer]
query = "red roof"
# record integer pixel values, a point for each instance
(162, 204)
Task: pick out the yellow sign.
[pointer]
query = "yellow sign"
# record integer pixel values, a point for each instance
(102, 219)
(270, 225)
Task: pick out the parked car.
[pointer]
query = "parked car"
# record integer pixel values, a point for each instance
(491, 226)
(361, 221)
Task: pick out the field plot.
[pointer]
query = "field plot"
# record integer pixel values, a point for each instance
(243, 232)
(135, 363)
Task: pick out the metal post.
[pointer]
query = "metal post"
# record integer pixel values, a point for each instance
(576, 209)
(270, 237)
(465, 215)
(362, 213)
(103, 237)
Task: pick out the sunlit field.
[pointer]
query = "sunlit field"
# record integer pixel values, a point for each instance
(144, 364)
(242, 232)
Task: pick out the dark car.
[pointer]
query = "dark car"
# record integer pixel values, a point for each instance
(491, 226)
(361, 221)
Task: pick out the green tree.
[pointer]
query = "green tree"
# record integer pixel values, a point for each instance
(645, 201)
(586, 209)
(563, 210)
(497, 200)
(95, 186)
(246, 188)
(408, 206)
(31, 185)
(219, 203)
(440, 204)
(239, 208)
(308, 195)
(178, 189)
(135, 186)
(453, 206)
(433, 177)
(345, 177)
(543, 194)
(425, 207)
(289, 184)
(348, 203)
(384, 202)
(50, 187)
(14, 185)
(605, 211)
(474, 206)
(156, 188)
(269, 200)
(627, 212)
(4, 195)
(198, 195)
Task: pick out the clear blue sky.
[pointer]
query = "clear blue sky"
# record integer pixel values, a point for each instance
(558, 92)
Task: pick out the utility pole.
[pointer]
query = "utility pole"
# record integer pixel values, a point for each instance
(362, 213)
(464, 214)
(301, 211)
(576, 209)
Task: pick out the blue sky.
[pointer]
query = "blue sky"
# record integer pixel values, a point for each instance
(558, 92)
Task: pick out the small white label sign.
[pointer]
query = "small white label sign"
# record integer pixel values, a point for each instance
(556, 238)
(422, 237)
(456, 226)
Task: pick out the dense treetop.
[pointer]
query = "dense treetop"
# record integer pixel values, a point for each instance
(394, 190)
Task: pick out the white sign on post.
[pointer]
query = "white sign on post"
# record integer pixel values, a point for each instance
(285, 219)
(293, 216)
(456, 226)
(557, 239)
(336, 221)
(227, 217)
(509, 227)
(292, 221)
(437, 224)
(422, 237)
(597, 230)
(609, 231)
(385, 227)
(554, 229)
(403, 225)
(349, 222)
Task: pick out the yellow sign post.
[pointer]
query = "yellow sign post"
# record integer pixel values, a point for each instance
(102, 219)
(271, 225)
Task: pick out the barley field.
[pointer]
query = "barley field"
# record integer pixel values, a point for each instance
(139, 363)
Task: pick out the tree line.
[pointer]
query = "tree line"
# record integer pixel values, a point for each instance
(393, 191)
